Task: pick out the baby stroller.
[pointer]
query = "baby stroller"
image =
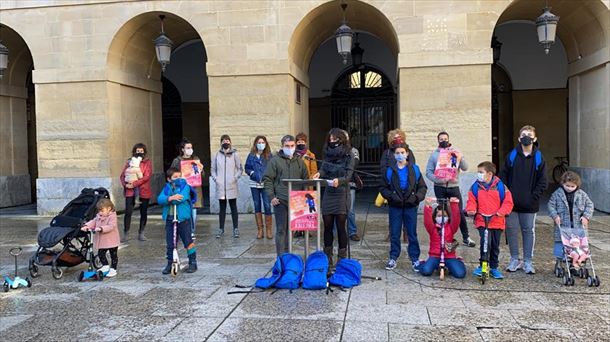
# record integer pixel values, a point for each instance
(63, 244)
(576, 253)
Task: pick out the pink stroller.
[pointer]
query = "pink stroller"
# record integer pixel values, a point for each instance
(576, 253)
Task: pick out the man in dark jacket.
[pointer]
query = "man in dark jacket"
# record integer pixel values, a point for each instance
(284, 165)
(524, 174)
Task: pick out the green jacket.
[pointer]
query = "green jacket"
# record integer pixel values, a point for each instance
(281, 167)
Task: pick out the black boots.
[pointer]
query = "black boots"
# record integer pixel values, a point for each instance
(167, 268)
(192, 264)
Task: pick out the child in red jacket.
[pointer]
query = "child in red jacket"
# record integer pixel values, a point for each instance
(492, 198)
(432, 221)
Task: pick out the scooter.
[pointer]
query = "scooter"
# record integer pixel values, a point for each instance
(92, 272)
(442, 267)
(17, 282)
(485, 262)
(176, 259)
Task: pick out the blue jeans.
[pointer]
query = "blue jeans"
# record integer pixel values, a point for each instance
(406, 217)
(455, 266)
(193, 220)
(183, 232)
(351, 215)
(258, 196)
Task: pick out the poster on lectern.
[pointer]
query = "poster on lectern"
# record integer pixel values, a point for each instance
(303, 213)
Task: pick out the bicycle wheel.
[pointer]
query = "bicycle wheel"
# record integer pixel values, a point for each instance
(558, 171)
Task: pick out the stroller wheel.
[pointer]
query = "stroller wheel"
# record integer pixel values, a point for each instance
(596, 281)
(586, 272)
(590, 281)
(566, 280)
(581, 272)
(29, 281)
(57, 272)
(33, 270)
(572, 281)
(100, 275)
(6, 286)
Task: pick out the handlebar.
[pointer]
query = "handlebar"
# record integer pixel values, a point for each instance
(17, 249)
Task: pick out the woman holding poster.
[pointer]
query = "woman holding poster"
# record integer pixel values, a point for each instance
(337, 168)
(136, 187)
(192, 170)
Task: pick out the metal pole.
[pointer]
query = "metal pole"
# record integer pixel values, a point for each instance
(289, 219)
(306, 233)
(319, 215)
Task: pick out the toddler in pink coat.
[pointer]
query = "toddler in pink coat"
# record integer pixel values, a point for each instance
(107, 238)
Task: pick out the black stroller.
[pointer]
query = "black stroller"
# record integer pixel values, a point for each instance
(63, 244)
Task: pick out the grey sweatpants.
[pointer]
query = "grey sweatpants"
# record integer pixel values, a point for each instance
(524, 223)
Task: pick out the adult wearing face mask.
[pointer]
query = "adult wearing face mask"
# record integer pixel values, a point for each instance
(226, 169)
(284, 165)
(187, 153)
(449, 188)
(256, 164)
(309, 158)
(524, 173)
(337, 169)
(141, 187)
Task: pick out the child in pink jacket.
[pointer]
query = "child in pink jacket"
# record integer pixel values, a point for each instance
(107, 238)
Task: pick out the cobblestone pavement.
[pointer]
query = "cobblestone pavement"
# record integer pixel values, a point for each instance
(142, 304)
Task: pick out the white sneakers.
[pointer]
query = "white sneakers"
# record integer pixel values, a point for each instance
(109, 272)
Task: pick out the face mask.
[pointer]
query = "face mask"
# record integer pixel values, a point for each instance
(569, 188)
(440, 219)
(481, 177)
(443, 144)
(526, 140)
(226, 146)
(261, 147)
(400, 157)
(139, 155)
(288, 151)
(188, 152)
(178, 182)
(302, 147)
(333, 144)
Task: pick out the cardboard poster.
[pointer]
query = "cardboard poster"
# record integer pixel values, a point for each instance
(191, 171)
(303, 210)
(447, 164)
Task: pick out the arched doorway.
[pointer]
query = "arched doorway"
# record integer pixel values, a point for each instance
(564, 94)
(18, 142)
(319, 68)
(152, 107)
(363, 103)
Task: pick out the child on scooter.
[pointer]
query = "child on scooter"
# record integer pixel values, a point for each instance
(492, 198)
(433, 218)
(107, 239)
(176, 195)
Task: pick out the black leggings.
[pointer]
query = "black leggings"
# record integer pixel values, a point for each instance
(129, 204)
(113, 256)
(223, 212)
(329, 222)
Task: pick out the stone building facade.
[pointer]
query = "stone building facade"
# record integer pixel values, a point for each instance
(83, 83)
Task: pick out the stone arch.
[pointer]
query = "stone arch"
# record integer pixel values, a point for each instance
(18, 166)
(584, 31)
(321, 22)
(584, 26)
(135, 87)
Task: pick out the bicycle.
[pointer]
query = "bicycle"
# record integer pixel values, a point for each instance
(559, 169)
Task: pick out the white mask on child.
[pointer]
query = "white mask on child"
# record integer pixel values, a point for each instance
(481, 177)
(441, 220)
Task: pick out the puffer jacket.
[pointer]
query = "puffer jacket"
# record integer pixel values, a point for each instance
(559, 207)
(488, 202)
(226, 169)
